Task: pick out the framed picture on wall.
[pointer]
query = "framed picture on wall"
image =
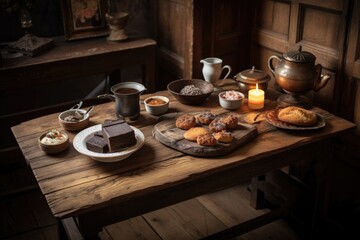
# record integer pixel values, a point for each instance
(84, 19)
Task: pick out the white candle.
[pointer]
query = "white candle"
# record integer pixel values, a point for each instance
(256, 98)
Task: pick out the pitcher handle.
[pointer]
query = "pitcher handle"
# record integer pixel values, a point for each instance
(270, 63)
(229, 70)
(110, 96)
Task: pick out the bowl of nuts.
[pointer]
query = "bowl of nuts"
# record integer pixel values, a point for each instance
(190, 91)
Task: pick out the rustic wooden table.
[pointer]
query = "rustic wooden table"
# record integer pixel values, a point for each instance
(81, 58)
(96, 194)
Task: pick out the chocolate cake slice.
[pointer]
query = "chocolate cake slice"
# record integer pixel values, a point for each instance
(118, 134)
(97, 144)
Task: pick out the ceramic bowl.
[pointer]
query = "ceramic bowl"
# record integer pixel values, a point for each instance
(176, 86)
(54, 148)
(74, 125)
(156, 105)
(230, 104)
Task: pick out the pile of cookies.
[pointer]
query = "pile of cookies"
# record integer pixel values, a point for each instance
(206, 129)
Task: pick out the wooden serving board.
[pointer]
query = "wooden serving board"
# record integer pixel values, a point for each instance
(168, 134)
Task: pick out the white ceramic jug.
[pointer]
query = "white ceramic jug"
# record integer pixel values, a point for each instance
(212, 70)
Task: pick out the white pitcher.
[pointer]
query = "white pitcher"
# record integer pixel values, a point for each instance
(212, 69)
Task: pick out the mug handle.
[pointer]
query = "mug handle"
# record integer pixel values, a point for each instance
(110, 96)
(229, 70)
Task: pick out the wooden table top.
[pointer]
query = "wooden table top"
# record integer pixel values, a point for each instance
(74, 184)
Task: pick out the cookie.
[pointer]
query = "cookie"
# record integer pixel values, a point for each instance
(194, 132)
(223, 137)
(206, 140)
(231, 121)
(185, 121)
(205, 118)
(217, 125)
(297, 116)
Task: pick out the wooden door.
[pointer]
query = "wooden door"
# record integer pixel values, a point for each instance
(190, 30)
(350, 99)
(318, 26)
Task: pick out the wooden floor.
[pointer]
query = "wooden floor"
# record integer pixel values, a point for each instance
(27, 216)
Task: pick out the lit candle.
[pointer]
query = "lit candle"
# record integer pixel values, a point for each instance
(256, 98)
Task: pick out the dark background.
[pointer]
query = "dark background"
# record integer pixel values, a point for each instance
(46, 18)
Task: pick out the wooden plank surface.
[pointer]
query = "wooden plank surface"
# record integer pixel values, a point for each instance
(74, 184)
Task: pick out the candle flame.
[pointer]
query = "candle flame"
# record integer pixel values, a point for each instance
(257, 87)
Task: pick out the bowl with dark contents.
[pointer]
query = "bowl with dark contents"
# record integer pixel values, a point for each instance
(74, 119)
(190, 91)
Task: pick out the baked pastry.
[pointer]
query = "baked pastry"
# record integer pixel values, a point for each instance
(231, 121)
(205, 118)
(297, 116)
(223, 137)
(185, 121)
(206, 140)
(217, 125)
(194, 132)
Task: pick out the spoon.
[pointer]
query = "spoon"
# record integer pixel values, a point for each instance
(80, 115)
(77, 106)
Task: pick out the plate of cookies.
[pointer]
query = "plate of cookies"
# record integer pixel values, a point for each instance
(295, 118)
(204, 134)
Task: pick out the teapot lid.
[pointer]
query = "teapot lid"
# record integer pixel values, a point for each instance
(299, 56)
(253, 76)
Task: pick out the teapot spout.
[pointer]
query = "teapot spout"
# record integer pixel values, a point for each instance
(321, 82)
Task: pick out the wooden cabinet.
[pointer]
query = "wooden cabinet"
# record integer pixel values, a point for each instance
(190, 30)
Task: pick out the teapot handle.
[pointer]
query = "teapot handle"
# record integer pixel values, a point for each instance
(270, 63)
(320, 80)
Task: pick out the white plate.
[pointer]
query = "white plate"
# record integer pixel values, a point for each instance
(80, 145)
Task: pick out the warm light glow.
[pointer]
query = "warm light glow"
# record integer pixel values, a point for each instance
(256, 98)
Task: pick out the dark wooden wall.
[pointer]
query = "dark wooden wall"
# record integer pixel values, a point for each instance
(190, 30)
(329, 30)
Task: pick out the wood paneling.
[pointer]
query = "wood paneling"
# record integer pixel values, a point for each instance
(350, 107)
(327, 26)
(330, 30)
(190, 30)
(274, 17)
(320, 28)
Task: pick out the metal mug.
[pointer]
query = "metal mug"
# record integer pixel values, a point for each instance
(126, 96)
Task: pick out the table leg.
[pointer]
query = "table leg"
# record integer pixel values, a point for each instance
(69, 230)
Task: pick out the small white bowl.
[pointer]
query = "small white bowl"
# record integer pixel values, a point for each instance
(76, 125)
(156, 108)
(52, 148)
(231, 104)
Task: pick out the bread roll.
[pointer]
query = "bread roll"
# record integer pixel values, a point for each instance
(297, 116)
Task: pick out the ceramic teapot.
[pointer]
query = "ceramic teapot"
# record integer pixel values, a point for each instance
(296, 72)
